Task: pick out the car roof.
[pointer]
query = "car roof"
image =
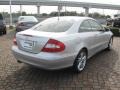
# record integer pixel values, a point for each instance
(75, 18)
(26, 16)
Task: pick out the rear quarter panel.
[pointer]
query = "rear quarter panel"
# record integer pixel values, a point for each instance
(75, 42)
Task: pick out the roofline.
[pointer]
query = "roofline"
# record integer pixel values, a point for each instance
(60, 3)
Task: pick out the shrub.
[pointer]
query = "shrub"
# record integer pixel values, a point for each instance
(11, 27)
(116, 31)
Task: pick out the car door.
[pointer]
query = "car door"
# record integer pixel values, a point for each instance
(99, 35)
(87, 35)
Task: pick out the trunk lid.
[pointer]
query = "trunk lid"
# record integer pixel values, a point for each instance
(33, 41)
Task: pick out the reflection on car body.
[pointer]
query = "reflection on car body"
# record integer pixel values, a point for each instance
(25, 22)
(69, 41)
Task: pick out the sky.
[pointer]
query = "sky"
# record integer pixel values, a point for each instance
(48, 9)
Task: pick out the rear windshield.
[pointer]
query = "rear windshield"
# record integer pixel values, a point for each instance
(54, 25)
(27, 19)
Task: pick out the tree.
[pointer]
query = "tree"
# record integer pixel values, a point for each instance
(24, 13)
(44, 14)
(96, 15)
(108, 16)
(81, 14)
(53, 14)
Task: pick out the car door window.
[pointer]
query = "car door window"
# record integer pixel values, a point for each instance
(85, 26)
(95, 26)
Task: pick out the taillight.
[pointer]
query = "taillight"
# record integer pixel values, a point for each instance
(14, 41)
(53, 46)
(20, 24)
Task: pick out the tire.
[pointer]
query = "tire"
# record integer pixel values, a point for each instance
(80, 61)
(4, 32)
(0, 33)
(110, 44)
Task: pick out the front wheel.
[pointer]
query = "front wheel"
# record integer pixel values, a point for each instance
(110, 44)
(80, 61)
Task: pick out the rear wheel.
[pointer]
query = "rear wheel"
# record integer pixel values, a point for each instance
(80, 61)
(0, 33)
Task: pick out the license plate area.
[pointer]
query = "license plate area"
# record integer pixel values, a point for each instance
(28, 44)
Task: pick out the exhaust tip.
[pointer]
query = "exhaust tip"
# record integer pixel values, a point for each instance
(19, 61)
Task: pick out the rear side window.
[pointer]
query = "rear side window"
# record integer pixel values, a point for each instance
(54, 25)
(85, 26)
(95, 25)
(27, 19)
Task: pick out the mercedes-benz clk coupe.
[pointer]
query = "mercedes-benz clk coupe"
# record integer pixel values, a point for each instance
(61, 42)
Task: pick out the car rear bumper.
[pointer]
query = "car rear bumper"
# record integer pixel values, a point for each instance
(44, 60)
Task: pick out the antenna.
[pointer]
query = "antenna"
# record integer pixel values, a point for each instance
(59, 9)
(58, 12)
(10, 4)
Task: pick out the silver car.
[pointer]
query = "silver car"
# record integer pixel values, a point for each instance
(25, 22)
(59, 43)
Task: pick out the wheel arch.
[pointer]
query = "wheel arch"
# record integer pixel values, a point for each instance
(75, 61)
(112, 37)
(83, 48)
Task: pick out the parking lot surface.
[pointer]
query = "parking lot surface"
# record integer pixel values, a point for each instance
(101, 73)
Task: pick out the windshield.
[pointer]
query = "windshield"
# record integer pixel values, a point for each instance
(50, 25)
(27, 19)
